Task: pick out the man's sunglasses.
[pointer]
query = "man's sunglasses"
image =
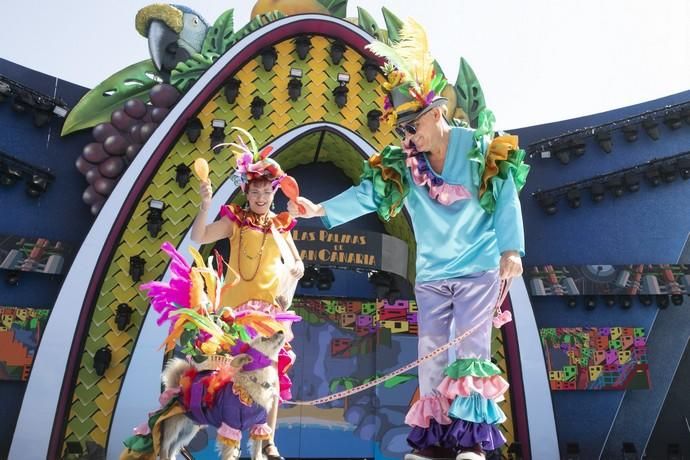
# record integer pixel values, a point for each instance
(404, 130)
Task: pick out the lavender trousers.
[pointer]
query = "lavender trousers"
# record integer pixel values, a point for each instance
(457, 304)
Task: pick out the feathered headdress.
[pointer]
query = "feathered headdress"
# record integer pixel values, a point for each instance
(413, 85)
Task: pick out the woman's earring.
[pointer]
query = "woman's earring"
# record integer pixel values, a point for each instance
(273, 206)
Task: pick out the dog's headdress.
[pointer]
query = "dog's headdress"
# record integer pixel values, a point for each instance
(413, 85)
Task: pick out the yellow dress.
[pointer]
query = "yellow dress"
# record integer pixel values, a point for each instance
(257, 259)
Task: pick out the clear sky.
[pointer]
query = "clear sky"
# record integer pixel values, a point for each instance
(537, 60)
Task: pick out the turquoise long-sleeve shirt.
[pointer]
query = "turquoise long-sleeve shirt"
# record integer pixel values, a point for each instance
(455, 240)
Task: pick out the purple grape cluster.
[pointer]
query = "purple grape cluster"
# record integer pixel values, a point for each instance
(116, 144)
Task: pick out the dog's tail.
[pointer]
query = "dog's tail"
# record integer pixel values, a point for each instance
(173, 371)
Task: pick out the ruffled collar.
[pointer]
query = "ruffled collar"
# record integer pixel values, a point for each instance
(283, 222)
(424, 176)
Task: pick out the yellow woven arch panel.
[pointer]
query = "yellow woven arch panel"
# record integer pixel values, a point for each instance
(94, 398)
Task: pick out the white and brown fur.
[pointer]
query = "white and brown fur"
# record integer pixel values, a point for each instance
(261, 384)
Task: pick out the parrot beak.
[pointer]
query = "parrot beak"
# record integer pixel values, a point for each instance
(161, 39)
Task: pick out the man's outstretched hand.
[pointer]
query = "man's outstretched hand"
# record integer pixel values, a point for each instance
(511, 265)
(310, 209)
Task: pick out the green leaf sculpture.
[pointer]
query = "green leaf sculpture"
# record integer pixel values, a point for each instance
(98, 104)
(470, 94)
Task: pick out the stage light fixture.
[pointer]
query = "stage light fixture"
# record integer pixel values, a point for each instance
(370, 69)
(9, 175)
(625, 301)
(609, 300)
(295, 84)
(629, 451)
(677, 299)
(101, 360)
(193, 129)
(651, 127)
(36, 185)
(154, 218)
(652, 175)
(340, 91)
(646, 300)
(630, 132)
(374, 120)
(615, 185)
(661, 301)
(136, 268)
(22, 101)
(12, 277)
(684, 167)
(311, 274)
(573, 197)
(578, 147)
(590, 302)
(668, 172)
(325, 279)
(572, 451)
(123, 316)
(563, 154)
(337, 51)
(383, 283)
(74, 448)
(673, 120)
(571, 301)
(302, 46)
(548, 203)
(217, 134)
(257, 107)
(232, 90)
(632, 182)
(182, 175)
(269, 56)
(604, 140)
(597, 191)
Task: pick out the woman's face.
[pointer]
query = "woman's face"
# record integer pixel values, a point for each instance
(260, 197)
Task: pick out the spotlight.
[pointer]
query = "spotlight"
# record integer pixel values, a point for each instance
(374, 120)
(573, 196)
(340, 91)
(677, 299)
(302, 46)
(590, 302)
(136, 268)
(597, 191)
(269, 56)
(12, 277)
(37, 185)
(632, 182)
(615, 184)
(382, 282)
(310, 275)
(337, 51)
(123, 316)
(101, 360)
(652, 175)
(630, 133)
(232, 89)
(295, 84)
(217, 134)
(673, 452)
(571, 301)
(661, 301)
(625, 301)
(325, 279)
(9, 175)
(629, 451)
(5, 90)
(673, 120)
(645, 300)
(370, 69)
(257, 107)
(651, 127)
(193, 129)
(684, 168)
(685, 114)
(577, 146)
(43, 111)
(22, 101)
(563, 155)
(73, 448)
(154, 218)
(668, 172)
(182, 175)
(572, 451)
(548, 204)
(609, 300)
(604, 140)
